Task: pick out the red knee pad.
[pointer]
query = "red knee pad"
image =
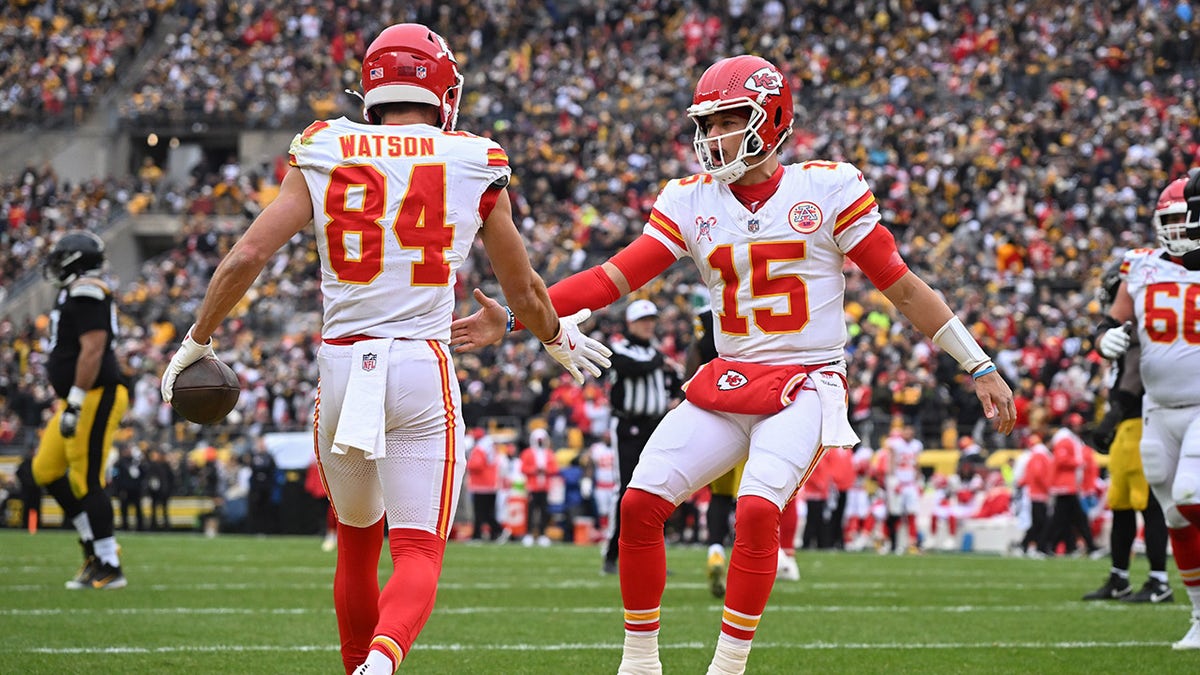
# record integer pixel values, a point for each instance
(642, 517)
(757, 527)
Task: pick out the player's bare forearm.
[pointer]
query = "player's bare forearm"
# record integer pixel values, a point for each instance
(229, 283)
(523, 288)
(919, 303)
(91, 355)
(280, 221)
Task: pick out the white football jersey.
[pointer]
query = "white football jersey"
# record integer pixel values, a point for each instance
(396, 209)
(906, 454)
(775, 275)
(1166, 302)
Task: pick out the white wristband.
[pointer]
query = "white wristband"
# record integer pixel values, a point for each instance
(957, 341)
(75, 396)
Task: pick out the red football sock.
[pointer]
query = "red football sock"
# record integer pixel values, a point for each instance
(751, 566)
(789, 521)
(911, 520)
(953, 522)
(408, 597)
(643, 557)
(356, 589)
(1185, 542)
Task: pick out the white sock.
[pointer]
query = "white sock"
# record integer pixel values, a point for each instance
(730, 657)
(106, 551)
(640, 655)
(1160, 577)
(717, 548)
(378, 662)
(83, 525)
(1194, 595)
(1124, 574)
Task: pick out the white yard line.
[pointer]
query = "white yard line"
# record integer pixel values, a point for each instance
(616, 611)
(605, 646)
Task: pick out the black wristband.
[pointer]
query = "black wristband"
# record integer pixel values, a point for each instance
(1105, 324)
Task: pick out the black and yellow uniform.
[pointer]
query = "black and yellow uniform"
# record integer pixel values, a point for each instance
(86, 305)
(1127, 488)
(84, 373)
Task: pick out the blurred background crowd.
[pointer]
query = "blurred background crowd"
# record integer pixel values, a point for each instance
(1014, 148)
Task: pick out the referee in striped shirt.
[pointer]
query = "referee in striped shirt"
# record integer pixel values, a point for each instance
(644, 388)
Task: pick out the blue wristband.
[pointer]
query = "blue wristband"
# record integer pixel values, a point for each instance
(512, 320)
(984, 371)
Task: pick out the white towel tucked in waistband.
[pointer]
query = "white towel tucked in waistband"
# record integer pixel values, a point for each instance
(835, 422)
(361, 425)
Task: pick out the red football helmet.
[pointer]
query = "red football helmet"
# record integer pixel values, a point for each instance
(742, 82)
(410, 63)
(1171, 219)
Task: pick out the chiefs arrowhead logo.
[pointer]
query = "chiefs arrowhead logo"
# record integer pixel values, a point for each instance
(730, 380)
(766, 81)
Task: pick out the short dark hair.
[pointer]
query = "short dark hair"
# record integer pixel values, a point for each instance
(429, 111)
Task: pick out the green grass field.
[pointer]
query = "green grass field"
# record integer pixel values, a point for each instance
(238, 604)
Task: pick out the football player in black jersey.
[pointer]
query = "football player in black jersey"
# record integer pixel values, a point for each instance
(83, 371)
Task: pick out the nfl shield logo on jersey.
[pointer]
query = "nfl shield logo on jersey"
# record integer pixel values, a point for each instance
(752, 225)
(368, 362)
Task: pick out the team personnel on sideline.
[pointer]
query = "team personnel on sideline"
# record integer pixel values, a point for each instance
(73, 453)
(1158, 297)
(398, 201)
(771, 242)
(1119, 434)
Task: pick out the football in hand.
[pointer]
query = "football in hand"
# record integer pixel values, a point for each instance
(206, 391)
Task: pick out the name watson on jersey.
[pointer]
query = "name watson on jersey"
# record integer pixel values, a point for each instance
(379, 145)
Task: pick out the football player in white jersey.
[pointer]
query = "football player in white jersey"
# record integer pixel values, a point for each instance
(396, 203)
(770, 242)
(1159, 297)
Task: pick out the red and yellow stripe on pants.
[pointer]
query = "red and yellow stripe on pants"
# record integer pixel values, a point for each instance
(448, 382)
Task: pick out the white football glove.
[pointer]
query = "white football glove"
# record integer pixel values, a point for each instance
(68, 421)
(574, 350)
(1115, 341)
(188, 353)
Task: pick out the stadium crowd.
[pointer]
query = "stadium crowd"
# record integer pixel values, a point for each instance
(1014, 150)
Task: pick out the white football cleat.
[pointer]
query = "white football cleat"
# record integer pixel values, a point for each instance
(787, 570)
(1192, 639)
